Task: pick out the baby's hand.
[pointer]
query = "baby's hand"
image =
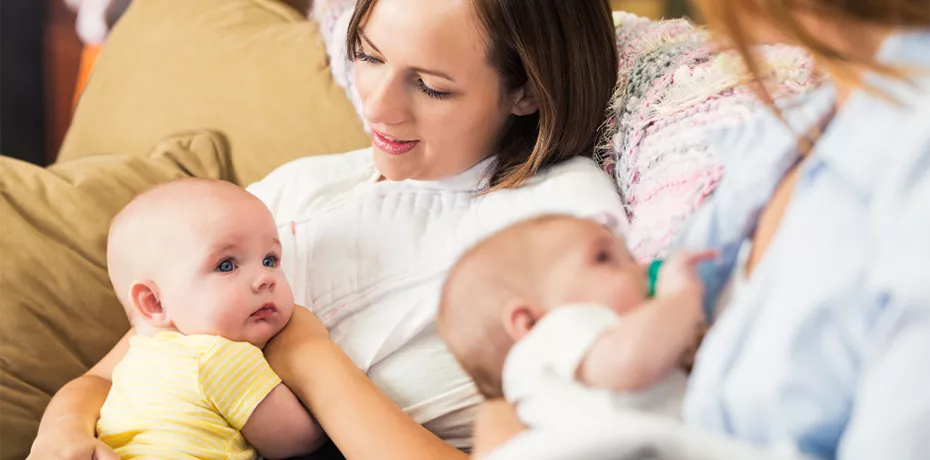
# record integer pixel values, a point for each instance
(678, 276)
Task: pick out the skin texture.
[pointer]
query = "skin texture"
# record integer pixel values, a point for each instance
(455, 121)
(209, 261)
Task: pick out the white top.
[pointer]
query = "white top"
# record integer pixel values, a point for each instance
(369, 258)
(539, 375)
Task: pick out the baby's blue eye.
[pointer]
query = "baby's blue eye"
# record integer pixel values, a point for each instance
(270, 261)
(226, 266)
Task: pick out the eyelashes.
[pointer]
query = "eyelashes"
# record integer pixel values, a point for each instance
(440, 95)
(421, 85)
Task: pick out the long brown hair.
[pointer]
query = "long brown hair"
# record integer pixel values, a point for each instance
(565, 53)
(734, 18)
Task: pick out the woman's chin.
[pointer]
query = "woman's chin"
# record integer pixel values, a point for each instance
(395, 168)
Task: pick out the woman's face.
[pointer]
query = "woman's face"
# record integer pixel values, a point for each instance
(434, 104)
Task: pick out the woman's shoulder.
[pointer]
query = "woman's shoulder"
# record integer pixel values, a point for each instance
(576, 187)
(300, 183)
(558, 178)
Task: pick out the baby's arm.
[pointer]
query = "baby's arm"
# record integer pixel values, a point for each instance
(237, 381)
(495, 424)
(649, 342)
(280, 427)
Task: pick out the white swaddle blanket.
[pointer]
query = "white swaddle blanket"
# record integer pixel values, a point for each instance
(568, 420)
(631, 435)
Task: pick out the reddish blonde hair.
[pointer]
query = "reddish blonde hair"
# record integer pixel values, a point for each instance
(734, 18)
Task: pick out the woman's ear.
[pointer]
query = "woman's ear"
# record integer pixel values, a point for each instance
(144, 297)
(523, 101)
(519, 318)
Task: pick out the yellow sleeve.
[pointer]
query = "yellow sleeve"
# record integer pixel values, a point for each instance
(235, 378)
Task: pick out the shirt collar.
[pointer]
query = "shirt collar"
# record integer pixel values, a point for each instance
(475, 178)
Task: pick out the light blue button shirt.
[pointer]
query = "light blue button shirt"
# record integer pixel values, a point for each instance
(827, 345)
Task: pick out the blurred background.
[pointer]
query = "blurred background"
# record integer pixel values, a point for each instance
(47, 50)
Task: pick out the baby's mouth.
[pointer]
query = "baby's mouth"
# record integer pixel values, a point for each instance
(267, 309)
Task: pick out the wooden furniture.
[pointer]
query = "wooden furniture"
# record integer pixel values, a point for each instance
(62, 57)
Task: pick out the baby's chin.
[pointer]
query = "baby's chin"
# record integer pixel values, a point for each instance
(261, 334)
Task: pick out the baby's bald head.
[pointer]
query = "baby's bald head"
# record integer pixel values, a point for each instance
(145, 233)
(507, 267)
(500, 288)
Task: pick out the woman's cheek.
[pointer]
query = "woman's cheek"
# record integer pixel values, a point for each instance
(365, 78)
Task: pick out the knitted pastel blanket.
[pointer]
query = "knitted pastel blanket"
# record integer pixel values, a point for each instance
(673, 90)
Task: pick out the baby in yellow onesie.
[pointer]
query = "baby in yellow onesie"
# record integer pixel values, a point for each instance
(196, 264)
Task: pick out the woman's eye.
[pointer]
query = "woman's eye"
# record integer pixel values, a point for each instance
(366, 58)
(226, 266)
(432, 92)
(270, 261)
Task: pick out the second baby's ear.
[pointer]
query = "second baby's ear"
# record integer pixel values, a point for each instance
(146, 302)
(519, 317)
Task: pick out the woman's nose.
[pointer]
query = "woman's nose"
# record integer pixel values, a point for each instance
(386, 103)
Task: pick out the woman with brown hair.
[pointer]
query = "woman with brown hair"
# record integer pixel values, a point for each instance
(482, 113)
(823, 223)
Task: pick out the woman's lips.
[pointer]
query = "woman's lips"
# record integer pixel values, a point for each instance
(391, 146)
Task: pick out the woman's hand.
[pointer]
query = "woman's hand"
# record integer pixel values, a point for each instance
(361, 420)
(68, 425)
(283, 351)
(64, 443)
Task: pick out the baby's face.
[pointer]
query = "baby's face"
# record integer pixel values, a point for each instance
(224, 277)
(589, 263)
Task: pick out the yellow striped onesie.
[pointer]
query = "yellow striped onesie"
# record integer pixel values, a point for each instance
(184, 396)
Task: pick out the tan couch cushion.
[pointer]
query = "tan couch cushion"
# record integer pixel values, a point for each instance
(254, 70)
(58, 312)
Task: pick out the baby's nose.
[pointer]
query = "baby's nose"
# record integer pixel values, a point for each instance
(263, 281)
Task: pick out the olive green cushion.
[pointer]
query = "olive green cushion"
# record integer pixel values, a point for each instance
(254, 70)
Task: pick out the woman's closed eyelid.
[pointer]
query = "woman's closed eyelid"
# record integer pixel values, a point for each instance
(367, 58)
(433, 93)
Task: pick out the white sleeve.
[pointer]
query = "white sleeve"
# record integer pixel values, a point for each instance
(562, 338)
(539, 372)
(578, 187)
(294, 191)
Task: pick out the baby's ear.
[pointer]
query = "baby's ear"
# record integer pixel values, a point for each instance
(144, 297)
(519, 317)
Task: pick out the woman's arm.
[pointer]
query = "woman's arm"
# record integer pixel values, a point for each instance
(361, 420)
(68, 427)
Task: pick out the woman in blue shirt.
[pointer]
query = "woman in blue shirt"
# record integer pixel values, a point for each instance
(821, 296)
